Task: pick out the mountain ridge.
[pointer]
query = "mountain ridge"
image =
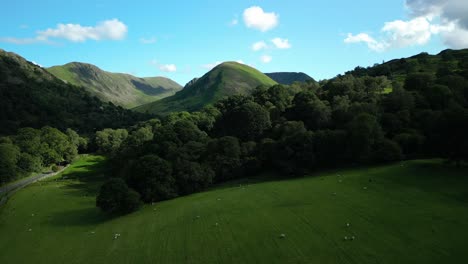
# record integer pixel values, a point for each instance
(119, 88)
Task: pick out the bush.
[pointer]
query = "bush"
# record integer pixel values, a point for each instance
(55, 168)
(388, 151)
(115, 197)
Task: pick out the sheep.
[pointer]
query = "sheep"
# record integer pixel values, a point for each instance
(347, 224)
(282, 235)
(365, 187)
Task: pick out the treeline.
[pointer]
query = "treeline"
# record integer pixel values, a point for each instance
(33, 150)
(291, 129)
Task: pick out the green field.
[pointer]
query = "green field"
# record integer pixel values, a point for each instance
(416, 212)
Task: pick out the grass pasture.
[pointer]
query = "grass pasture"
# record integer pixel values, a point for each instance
(416, 212)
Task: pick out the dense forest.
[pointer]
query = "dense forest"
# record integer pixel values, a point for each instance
(384, 113)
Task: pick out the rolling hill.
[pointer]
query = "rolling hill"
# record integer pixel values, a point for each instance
(30, 96)
(121, 89)
(417, 206)
(224, 80)
(289, 78)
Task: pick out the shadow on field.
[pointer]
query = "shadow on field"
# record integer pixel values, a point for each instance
(79, 217)
(83, 183)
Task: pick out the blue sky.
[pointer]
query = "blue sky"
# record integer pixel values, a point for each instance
(183, 39)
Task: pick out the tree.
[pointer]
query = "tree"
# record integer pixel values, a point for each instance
(364, 132)
(28, 163)
(9, 156)
(387, 151)
(192, 176)
(115, 197)
(151, 176)
(247, 122)
(315, 114)
(109, 140)
(56, 146)
(224, 156)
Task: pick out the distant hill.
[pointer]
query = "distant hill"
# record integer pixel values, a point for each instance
(32, 97)
(455, 61)
(121, 89)
(288, 78)
(226, 79)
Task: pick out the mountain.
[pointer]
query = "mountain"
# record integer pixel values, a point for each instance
(224, 80)
(121, 89)
(30, 96)
(288, 78)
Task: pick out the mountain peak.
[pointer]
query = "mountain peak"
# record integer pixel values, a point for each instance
(226, 79)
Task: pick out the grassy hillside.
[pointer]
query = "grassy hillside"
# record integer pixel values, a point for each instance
(121, 89)
(31, 96)
(289, 78)
(455, 61)
(226, 79)
(415, 212)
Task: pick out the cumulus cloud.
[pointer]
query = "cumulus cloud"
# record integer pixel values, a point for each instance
(256, 18)
(260, 45)
(266, 59)
(148, 40)
(106, 30)
(281, 43)
(363, 37)
(452, 26)
(168, 68)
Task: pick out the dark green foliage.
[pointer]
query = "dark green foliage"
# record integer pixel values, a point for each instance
(115, 197)
(224, 156)
(388, 151)
(109, 140)
(29, 163)
(152, 177)
(364, 132)
(40, 148)
(9, 156)
(192, 176)
(247, 122)
(307, 107)
(402, 109)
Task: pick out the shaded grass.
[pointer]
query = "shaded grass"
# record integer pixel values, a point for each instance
(413, 212)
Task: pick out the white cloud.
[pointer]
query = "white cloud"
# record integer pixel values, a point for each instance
(148, 40)
(260, 45)
(457, 38)
(363, 37)
(256, 18)
(408, 33)
(106, 30)
(210, 66)
(281, 43)
(266, 59)
(452, 26)
(109, 29)
(168, 68)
